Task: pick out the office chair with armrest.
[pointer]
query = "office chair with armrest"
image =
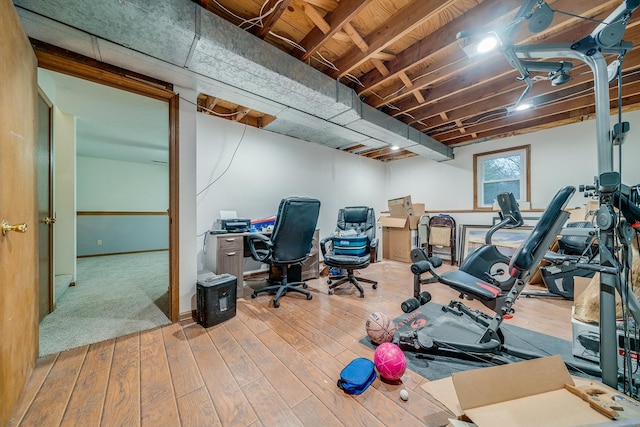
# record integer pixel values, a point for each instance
(290, 243)
(362, 220)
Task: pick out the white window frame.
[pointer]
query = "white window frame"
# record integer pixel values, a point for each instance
(478, 173)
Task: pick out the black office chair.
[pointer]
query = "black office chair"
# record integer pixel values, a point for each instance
(338, 253)
(290, 243)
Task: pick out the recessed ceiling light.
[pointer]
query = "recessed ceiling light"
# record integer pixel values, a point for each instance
(395, 147)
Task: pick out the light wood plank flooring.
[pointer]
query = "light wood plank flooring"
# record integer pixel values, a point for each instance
(264, 367)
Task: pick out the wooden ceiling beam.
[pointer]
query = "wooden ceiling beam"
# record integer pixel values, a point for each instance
(355, 37)
(342, 14)
(242, 112)
(479, 76)
(420, 51)
(380, 66)
(456, 61)
(477, 100)
(574, 105)
(272, 18)
(396, 155)
(354, 148)
(327, 5)
(586, 112)
(383, 56)
(401, 23)
(316, 18)
(341, 36)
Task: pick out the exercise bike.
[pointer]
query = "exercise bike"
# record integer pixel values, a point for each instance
(486, 262)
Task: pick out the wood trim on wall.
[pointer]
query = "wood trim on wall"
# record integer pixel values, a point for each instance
(66, 62)
(114, 213)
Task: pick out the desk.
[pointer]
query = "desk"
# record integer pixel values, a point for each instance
(225, 253)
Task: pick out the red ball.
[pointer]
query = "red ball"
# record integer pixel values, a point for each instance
(390, 361)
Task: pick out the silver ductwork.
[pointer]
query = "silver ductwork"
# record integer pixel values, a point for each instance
(180, 42)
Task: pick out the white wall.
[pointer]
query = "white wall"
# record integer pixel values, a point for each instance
(560, 156)
(268, 167)
(64, 135)
(111, 185)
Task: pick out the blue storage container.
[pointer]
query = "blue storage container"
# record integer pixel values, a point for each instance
(356, 245)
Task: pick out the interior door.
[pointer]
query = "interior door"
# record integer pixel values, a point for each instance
(45, 209)
(18, 249)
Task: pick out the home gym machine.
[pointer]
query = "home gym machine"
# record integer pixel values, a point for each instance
(614, 229)
(486, 262)
(463, 331)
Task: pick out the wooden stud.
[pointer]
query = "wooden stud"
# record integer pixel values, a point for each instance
(380, 66)
(405, 79)
(419, 97)
(327, 5)
(341, 36)
(210, 104)
(443, 116)
(383, 56)
(316, 18)
(269, 21)
(242, 112)
(355, 36)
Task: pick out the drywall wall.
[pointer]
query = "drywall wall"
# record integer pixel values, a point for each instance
(250, 170)
(114, 186)
(560, 156)
(111, 185)
(64, 232)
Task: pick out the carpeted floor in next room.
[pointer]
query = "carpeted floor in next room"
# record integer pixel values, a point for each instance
(114, 295)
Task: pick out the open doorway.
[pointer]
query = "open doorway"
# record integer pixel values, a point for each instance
(113, 199)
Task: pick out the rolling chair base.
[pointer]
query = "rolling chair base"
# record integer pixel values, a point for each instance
(282, 289)
(350, 277)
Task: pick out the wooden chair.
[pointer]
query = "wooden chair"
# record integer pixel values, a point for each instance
(442, 234)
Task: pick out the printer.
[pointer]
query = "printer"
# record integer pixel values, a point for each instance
(234, 225)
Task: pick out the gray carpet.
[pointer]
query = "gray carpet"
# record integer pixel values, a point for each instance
(114, 295)
(440, 366)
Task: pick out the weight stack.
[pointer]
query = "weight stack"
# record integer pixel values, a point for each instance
(216, 299)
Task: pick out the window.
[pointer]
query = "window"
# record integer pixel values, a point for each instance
(500, 171)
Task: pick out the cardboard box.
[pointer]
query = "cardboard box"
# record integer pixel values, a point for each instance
(530, 393)
(399, 228)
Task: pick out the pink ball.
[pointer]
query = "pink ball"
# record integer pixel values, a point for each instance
(390, 361)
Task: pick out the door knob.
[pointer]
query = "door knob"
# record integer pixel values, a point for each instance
(6, 227)
(47, 220)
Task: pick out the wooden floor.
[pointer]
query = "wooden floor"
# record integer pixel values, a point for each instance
(264, 367)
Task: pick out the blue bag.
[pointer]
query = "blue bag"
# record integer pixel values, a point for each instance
(350, 245)
(357, 376)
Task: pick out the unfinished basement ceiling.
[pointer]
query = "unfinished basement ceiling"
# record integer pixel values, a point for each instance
(356, 75)
(402, 57)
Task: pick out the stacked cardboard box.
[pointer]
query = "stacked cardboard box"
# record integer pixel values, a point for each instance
(400, 228)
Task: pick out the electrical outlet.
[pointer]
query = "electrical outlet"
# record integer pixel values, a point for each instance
(99, 243)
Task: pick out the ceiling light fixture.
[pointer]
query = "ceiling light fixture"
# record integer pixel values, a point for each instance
(478, 42)
(394, 147)
(487, 44)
